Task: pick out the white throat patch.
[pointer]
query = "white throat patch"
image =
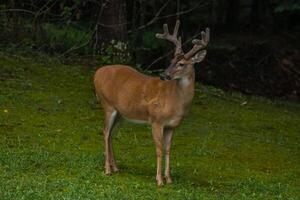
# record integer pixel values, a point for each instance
(184, 81)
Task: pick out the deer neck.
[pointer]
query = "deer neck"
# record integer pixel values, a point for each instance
(185, 87)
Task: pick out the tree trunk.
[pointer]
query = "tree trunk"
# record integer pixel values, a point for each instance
(232, 15)
(14, 20)
(113, 21)
(261, 15)
(220, 12)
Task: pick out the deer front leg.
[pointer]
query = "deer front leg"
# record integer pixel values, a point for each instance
(167, 142)
(157, 133)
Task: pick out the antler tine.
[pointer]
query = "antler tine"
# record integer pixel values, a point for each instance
(166, 30)
(172, 38)
(176, 29)
(199, 44)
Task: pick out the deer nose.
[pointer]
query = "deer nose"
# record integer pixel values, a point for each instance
(164, 77)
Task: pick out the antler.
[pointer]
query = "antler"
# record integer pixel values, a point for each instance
(198, 44)
(172, 38)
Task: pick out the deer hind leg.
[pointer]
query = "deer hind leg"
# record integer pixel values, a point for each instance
(167, 142)
(113, 164)
(109, 123)
(157, 133)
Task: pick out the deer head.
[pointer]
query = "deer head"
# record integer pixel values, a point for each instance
(182, 64)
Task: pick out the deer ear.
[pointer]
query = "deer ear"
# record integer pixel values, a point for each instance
(198, 57)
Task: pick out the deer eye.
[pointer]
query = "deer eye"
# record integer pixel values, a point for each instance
(181, 64)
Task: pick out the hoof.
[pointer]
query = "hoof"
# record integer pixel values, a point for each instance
(168, 180)
(115, 169)
(107, 172)
(160, 183)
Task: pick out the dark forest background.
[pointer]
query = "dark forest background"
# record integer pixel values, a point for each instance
(254, 45)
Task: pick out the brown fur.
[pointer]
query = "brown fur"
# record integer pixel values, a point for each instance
(135, 96)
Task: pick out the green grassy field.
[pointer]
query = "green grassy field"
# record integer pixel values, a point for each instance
(229, 147)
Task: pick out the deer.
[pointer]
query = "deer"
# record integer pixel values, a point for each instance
(161, 102)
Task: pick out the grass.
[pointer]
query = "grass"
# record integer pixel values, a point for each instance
(229, 147)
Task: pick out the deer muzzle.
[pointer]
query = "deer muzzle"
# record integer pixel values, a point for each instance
(165, 77)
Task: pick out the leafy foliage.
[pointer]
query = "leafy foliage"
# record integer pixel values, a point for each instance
(290, 6)
(62, 38)
(149, 40)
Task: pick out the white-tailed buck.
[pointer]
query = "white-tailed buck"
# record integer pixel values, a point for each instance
(161, 102)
